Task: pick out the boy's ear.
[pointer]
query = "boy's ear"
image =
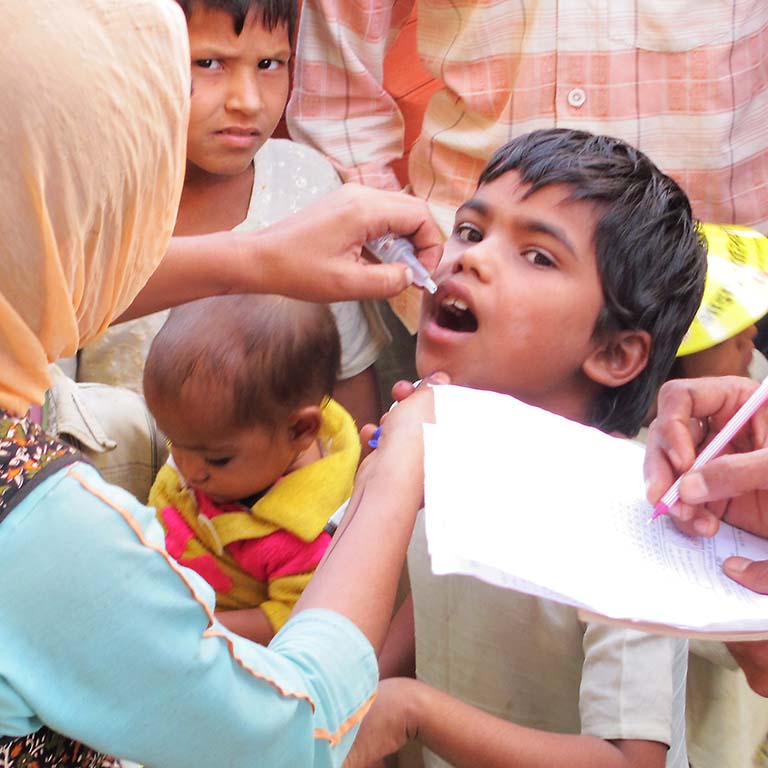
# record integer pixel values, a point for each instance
(305, 424)
(619, 358)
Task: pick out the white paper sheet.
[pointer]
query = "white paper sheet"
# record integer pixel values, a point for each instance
(528, 500)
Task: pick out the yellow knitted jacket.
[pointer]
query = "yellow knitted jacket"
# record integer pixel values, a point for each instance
(300, 503)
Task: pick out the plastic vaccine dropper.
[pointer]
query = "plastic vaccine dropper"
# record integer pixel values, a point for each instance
(390, 248)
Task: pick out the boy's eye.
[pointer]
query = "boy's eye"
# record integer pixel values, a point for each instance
(222, 462)
(269, 64)
(208, 63)
(538, 258)
(468, 233)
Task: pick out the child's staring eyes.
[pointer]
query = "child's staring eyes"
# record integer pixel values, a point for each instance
(468, 233)
(270, 64)
(538, 257)
(207, 63)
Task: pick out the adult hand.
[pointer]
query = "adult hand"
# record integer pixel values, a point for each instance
(403, 425)
(385, 729)
(359, 574)
(732, 487)
(400, 391)
(316, 253)
(313, 255)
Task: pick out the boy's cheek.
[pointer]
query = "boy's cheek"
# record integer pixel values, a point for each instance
(205, 95)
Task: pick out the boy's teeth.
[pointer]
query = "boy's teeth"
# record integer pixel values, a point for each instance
(456, 304)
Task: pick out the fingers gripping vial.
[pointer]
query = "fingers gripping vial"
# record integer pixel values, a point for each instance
(390, 248)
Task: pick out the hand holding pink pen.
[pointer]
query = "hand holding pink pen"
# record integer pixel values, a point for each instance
(733, 486)
(747, 410)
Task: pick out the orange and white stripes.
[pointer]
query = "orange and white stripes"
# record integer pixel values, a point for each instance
(692, 94)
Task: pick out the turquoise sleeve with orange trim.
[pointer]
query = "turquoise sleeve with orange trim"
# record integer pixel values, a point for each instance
(92, 601)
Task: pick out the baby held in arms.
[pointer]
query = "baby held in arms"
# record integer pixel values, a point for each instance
(261, 457)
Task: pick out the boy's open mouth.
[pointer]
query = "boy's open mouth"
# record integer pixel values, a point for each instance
(237, 131)
(454, 314)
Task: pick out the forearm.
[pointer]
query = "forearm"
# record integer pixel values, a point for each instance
(200, 266)
(361, 570)
(144, 625)
(314, 255)
(360, 574)
(467, 737)
(248, 622)
(398, 656)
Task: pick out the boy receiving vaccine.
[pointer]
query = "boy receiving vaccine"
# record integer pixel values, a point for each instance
(569, 281)
(240, 178)
(261, 456)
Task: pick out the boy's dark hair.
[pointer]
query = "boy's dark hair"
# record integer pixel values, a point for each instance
(271, 12)
(271, 354)
(651, 258)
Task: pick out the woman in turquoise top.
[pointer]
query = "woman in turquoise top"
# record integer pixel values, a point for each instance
(103, 638)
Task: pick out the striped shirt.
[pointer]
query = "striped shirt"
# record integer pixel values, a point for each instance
(686, 81)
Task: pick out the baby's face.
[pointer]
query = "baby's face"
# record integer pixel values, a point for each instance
(239, 89)
(519, 295)
(227, 465)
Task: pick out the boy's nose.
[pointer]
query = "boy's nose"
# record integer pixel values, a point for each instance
(244, 94)
(474, 258)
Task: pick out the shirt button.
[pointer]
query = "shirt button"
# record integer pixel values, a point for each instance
(576, 97)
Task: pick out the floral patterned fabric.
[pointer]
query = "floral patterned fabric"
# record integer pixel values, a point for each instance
(46, 749)
(26, 453)
(27, 456)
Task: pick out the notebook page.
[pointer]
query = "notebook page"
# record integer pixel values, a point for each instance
(528, 500)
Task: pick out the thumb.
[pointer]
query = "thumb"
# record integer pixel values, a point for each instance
(375, 281)
(752, 574)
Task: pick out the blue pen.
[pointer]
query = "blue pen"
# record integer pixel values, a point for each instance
(390, 248)
(374, 441)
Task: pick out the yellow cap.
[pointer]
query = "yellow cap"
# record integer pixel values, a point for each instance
(736, 290)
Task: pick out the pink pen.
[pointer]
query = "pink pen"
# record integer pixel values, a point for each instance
(715, 448)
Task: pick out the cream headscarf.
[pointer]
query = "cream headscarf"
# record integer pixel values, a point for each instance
(95, 95)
